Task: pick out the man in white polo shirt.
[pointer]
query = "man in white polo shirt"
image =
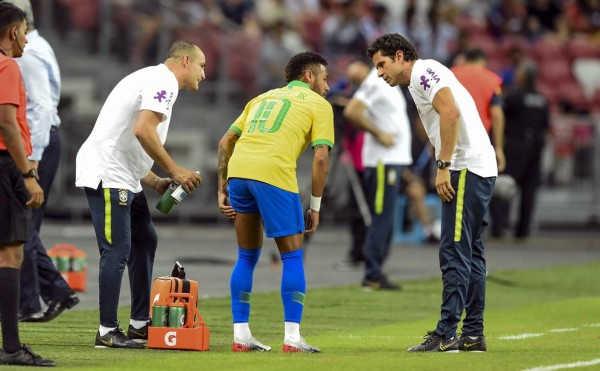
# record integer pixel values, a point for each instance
(465, 181)
(379, 110)
(118, 155)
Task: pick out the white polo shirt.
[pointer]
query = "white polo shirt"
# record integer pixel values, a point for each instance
(386, 109)
(473, 149)
(112, 154)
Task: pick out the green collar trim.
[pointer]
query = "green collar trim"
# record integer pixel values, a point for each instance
(298, 83)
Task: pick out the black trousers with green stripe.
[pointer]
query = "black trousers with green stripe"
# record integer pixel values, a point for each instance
(382, 185)
(126, 237)
(462, 259)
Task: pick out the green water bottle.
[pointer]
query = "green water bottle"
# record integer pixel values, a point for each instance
(172, 196)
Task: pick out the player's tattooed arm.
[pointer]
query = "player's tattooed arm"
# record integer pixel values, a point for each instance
(226, 147)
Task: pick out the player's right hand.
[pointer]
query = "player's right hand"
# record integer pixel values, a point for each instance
(224, 206)
(35, 191)
(189, 179)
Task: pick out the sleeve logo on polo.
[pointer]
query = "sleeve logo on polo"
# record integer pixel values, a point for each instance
(162, 95)
(425, 81)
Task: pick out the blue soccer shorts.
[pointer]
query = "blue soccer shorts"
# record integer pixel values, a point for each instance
(281, 211)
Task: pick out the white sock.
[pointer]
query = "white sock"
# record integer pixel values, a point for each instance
(105, 330)
(241, 331)
(292, 332)
(137, 324)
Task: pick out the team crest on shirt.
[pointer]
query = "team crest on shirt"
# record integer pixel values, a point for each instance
(123, 194)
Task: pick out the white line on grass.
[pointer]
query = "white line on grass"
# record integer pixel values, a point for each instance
(593, 325)
(566, 365)
(519, 337)
(563, 329)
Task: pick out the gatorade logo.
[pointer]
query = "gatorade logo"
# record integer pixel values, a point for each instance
(156, 298)
(171, 338)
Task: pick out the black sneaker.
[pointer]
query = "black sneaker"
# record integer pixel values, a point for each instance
(116, 339)
(139, 335)
(436, 343)
(25, 357)
(472, 343)
(382, 284)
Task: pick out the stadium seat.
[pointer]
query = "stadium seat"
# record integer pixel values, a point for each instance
(581, 47)
(548, 48)
(208, 38)
(555, 71)
(310, 30)
(573, 93)
(243, 55)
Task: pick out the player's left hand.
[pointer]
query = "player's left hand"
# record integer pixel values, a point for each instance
(162, 185)
(442, 185)
(311, 222)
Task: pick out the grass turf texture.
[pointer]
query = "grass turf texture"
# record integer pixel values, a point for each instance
(361, 330)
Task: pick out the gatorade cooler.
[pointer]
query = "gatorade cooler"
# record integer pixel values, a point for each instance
(193, 335)
(71, 263)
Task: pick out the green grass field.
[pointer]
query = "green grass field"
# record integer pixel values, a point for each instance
(362, 330)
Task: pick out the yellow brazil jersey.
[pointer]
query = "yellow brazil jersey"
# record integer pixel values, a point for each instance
(275, 128)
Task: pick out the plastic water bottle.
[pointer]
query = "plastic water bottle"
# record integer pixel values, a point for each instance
(172, 196)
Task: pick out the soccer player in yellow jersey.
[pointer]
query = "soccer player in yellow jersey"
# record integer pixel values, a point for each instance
(258, 186)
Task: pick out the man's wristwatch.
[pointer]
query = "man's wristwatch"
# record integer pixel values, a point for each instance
(443, 164)
(30, 174)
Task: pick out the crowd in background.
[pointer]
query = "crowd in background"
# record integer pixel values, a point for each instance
(258, 36)
(248, 42)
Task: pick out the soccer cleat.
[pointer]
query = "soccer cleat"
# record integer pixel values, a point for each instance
(436, 343)
(116, 339)
(299, 347)
(138, 335)
(467, 344)
(25, 357)
(249, 345)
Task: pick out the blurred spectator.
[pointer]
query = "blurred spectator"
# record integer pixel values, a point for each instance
(380, 22)
(507, 17)
(357, 211)
(527, 125)
(241, 13)
(516, 57)
(434, 38)
(583, 15)
(547, 14)
(342, 34)
(279, 44)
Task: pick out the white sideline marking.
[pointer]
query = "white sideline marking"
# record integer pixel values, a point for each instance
(519, 337)
(566, 365)
(593, 325)
(563, 329)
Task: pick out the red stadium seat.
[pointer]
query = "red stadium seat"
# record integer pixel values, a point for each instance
(581, 47)
(208, 38)
(548, 48)
(555, 71)
(243, 54)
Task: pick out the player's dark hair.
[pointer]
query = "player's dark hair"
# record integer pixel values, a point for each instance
(10, 16)
(474, 54)
(300, 63)
(180, 48)
(390, 43)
